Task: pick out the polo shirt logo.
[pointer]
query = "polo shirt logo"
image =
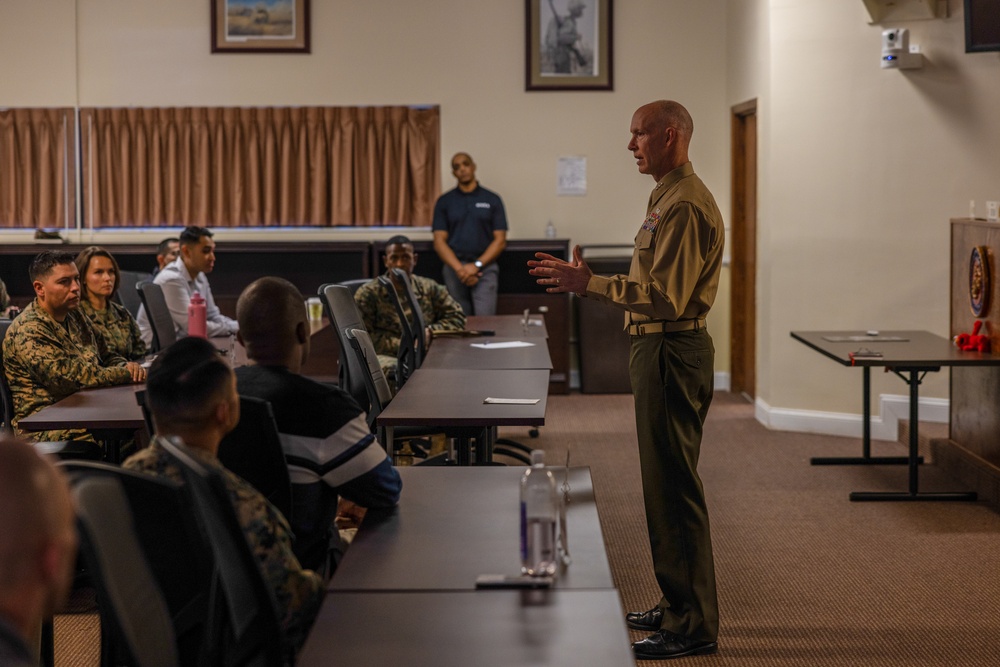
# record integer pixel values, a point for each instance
(482, 204)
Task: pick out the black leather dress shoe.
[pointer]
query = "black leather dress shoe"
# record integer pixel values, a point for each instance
(663, 645)
(645, 620)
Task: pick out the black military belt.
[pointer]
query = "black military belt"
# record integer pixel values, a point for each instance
(664, 326)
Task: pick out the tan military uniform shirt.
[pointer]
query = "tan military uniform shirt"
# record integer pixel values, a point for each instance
(46, 361)
(116, 326)
(297, 591)
(677, 258)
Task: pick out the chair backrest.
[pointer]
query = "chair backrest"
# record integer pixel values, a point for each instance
(379, 393)
(173, 546)
(129, 599)
(246, 629)
(354, 285)
(6, 399)
(344, 314)
(418, 324)
(128, 289)
(408, 356)
(158, 314)
(253, 451)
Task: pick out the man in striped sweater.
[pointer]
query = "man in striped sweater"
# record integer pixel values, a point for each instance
(328, 447)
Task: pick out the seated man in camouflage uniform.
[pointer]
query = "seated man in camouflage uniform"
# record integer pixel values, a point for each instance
(441, 311)
(191, 393)
(51, 350)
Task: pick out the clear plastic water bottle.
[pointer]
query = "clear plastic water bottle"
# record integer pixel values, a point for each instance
(539, 513)
(197, 326)
(550, 230)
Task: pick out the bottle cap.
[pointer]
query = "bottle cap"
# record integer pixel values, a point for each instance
(537, 456)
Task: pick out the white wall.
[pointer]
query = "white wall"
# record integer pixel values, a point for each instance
(860, 170)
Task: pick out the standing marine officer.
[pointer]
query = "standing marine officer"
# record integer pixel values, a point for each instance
(670, 287)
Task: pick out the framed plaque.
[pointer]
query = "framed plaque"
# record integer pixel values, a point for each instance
(980, 285)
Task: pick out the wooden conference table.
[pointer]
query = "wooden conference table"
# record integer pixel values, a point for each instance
(110, 413)
(454, 524)
(508, 326)
(488, 353)
(910, 355)
(450, 387)
(405, 591)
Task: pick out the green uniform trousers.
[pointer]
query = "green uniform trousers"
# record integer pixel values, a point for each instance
(672, 380)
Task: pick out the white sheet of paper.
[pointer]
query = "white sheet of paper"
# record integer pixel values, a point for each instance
(502, 346)
(512, 401)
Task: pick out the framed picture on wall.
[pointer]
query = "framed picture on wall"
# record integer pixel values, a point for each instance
(260, 26)
(568, 45)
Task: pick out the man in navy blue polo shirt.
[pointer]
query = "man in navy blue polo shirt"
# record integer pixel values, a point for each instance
(470, 232)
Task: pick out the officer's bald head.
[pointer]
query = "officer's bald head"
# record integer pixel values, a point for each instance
(668, 113)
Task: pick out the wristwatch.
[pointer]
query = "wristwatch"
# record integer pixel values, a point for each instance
(477, 264)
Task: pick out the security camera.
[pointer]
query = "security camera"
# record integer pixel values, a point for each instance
(896, 51)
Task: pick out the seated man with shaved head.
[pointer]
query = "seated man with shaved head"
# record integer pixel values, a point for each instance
(37, 548)
(191, 393)
(329, 449)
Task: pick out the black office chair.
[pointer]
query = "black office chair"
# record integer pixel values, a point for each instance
(173, 546)
(355, 284)
(63, 449)
(128, 290)
(253, 451)
(244, 625)
(344, 314)
(158, 315)
(412, 346)
(137, 627)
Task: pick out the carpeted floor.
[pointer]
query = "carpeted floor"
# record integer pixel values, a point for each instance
(805, 577)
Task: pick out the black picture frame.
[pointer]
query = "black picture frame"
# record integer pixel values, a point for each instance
(552, 62)
(982, 25)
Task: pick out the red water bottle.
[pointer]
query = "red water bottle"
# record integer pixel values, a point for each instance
(196, 317)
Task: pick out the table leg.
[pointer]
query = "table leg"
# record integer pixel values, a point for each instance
(914, 486)
(866, 457)
(484, 445)
(386, 434)
(464, 447)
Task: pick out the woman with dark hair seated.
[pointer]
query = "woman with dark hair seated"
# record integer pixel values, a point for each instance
(99, 278)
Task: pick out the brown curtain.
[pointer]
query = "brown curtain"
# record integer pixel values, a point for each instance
(253, 167)
(37, 168)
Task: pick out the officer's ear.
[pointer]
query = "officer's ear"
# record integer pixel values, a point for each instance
(39, 287)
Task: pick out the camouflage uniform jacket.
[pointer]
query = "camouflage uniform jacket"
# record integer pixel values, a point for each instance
(298, 592)
(441, 312)
(46, 361)
(118, 327)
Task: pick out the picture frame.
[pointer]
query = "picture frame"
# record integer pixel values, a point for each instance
(568, 45)
(260, 26)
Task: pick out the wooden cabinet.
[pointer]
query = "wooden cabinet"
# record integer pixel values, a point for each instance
(972, 452)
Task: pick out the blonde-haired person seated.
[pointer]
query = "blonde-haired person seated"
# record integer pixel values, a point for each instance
(99, 280)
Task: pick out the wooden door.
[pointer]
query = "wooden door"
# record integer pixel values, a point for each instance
(743, 321)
